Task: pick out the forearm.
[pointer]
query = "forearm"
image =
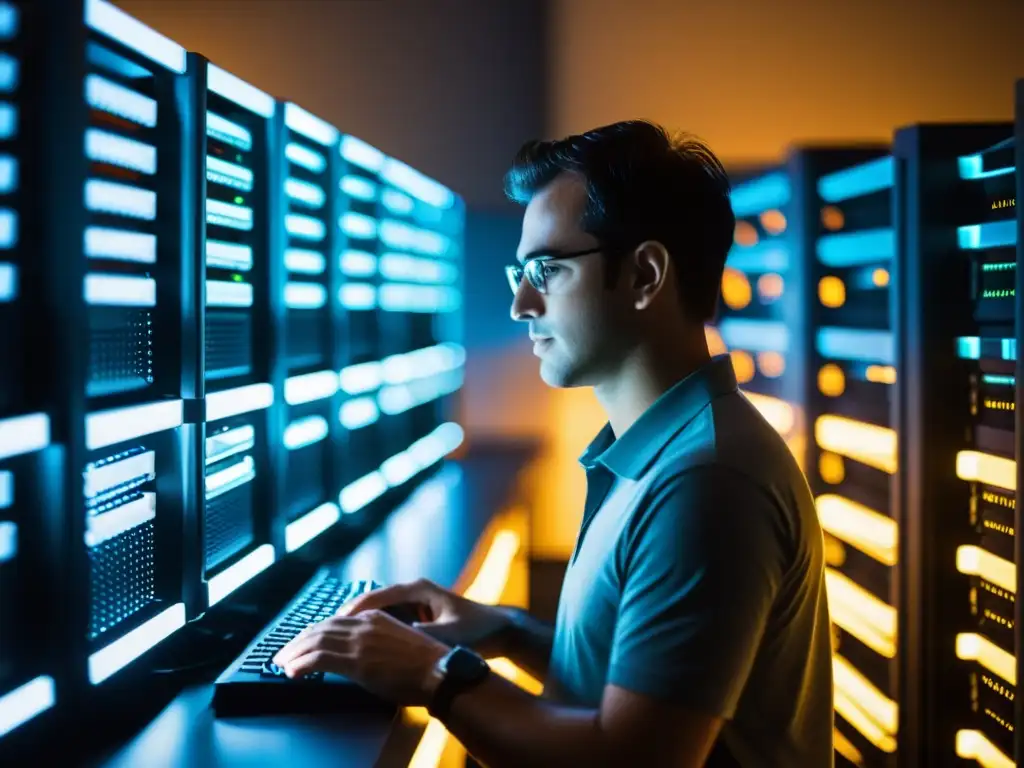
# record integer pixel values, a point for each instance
(527, 641)
(501, 725)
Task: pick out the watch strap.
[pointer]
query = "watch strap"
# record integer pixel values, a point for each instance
(452, 685)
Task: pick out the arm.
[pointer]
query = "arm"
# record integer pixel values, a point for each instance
(526, 640)
(502, 725)
(700, 569)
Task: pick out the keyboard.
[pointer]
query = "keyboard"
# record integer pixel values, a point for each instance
(254, 685)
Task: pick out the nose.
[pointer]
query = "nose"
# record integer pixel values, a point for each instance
(527, 302)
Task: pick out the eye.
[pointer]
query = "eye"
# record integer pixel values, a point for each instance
(549, 270)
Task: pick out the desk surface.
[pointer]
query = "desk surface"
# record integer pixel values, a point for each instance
(433, 535)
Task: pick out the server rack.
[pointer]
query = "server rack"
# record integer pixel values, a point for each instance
(148, 336)
(421, 234)
(136, 251)
(402, 274)
(314, 321)
(361, 374)
(761, 311)
(954, 274)
(42, 391)
(238, 332)
(842, 220)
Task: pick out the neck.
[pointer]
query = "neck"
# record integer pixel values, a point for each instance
(648, 373)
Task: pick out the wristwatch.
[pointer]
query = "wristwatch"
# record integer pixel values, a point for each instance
(460, 669)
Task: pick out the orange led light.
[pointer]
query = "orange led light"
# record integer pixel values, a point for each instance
(831, 292)
(742, 365)
(735, 289)
(831, 380)
(771, 364)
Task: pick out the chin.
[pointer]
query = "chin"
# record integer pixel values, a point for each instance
(559, 377)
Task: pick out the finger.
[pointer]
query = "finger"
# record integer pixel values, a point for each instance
(413, 592)
(314, 640)
(318, 661)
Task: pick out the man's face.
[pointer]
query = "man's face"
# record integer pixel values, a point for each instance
(580, 326)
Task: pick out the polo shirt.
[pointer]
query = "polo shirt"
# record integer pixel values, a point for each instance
(698, 577)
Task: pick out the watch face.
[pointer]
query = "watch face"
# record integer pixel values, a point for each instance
(463, 664)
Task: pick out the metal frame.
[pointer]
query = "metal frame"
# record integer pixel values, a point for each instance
(65, 336)
(192, 92)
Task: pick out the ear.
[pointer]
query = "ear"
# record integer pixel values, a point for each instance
(651, 265)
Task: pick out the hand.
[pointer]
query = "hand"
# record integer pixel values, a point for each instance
(380, 653)
(452, 619)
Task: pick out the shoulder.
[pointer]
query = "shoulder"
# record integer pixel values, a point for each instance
(707, 505)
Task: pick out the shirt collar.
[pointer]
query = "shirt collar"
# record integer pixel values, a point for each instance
(633, 452)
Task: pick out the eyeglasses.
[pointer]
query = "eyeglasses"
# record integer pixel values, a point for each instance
(534, 269)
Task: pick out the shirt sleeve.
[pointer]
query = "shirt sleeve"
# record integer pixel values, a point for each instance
(701, 566)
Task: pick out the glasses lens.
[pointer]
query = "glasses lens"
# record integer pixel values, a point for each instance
(515, 277)
(535, 274)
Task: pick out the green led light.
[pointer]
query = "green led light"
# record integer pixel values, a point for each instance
(237, 278)
(1000, 266)
(239, 200)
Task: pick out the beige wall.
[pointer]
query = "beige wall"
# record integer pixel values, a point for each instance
(752, 76)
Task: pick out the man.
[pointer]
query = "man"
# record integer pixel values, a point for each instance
(692, 628)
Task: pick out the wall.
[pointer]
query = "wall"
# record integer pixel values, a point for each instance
(451, 87)
(751, 77)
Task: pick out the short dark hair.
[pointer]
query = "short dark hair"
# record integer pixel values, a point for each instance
(644, 184)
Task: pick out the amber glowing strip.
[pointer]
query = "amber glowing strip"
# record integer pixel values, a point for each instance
(972, 745)
(871, 532)
(978, 467)
(881, 374)
(860, 613)
(975, 561)
(486, 588)
(846, 748)
(973, 647)
(866, 696)
(867, 443)
(776, 412)
(856, 717)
